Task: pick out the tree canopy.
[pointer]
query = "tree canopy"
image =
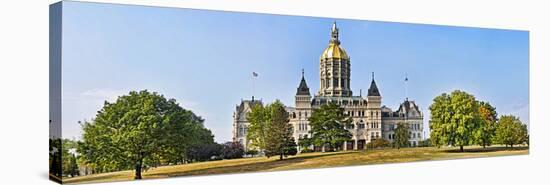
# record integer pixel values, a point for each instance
(138, 130)
(458, 119)
(327, 126)
(454, 119)
(402, 136)
(485, 134)
(270, 130)
(511, 131)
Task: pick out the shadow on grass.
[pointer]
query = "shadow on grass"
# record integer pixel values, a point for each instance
(251, 167)
(97, 177)
(487, 150)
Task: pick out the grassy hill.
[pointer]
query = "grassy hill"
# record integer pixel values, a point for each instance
(304, 161)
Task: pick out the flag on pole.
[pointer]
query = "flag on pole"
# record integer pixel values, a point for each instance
(254, 74)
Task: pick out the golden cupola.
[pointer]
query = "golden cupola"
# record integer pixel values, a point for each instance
(334, 68)
(334, 50)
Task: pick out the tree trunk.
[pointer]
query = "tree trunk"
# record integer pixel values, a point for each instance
(511, 145)
(461, 148)
(138, 169)
(281, 156)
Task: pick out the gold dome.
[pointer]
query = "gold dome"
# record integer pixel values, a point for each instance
(334, 51)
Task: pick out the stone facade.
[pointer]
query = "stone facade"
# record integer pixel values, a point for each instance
(371, 120)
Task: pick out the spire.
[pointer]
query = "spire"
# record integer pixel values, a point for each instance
(302, 88)
(373, 90)
(334, 34)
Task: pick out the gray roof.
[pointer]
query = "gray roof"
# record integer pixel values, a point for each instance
(373, 90)
(302, 88)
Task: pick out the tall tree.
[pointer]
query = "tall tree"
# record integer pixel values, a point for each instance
(487, 124)
(259, 118)
(454, 118)
(279, 131)
(402, 136)
(327, 126)
(511, 131)
(137, 130)
(270, 129)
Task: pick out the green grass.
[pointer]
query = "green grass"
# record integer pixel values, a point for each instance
(304, 161)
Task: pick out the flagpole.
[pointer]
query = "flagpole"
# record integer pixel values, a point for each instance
(253, 79)
(254, 75)
(406, 88)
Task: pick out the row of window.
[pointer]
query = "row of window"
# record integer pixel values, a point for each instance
(302, 126)
(299, 114)
(411, 135)
(362, 113)
(335, 82)
(415, 126)
(241, 131)
(349, 113)
(362, 125)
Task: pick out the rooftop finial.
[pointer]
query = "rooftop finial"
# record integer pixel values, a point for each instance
(302, 72)
(372, 75)
(334, 34)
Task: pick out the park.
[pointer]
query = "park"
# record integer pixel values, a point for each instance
(158, 139)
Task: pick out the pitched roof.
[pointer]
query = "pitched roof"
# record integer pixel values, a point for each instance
(373, 90)
(302, 88)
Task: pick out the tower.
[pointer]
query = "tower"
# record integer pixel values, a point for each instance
(374, 101)
(334, 68)
(373, 97)
(303, 97)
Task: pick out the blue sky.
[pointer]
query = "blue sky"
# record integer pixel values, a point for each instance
(205, 59)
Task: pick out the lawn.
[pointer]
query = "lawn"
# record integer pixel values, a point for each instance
(305, 161)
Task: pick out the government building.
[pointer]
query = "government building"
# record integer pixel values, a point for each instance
(371, 120)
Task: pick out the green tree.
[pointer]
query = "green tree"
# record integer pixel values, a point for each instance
(136, 131)
(279, 140)
(55, 157)
(70, 167)
(488, 122)
(454, 119)
(511, 131)
(327, 126)
(289, 148)
(304, 143)
(259, 118)
(270, 130)
(402, 136)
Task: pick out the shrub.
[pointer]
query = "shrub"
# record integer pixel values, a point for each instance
(379, 143)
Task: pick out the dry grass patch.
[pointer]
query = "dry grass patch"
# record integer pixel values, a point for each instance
(305, 161)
